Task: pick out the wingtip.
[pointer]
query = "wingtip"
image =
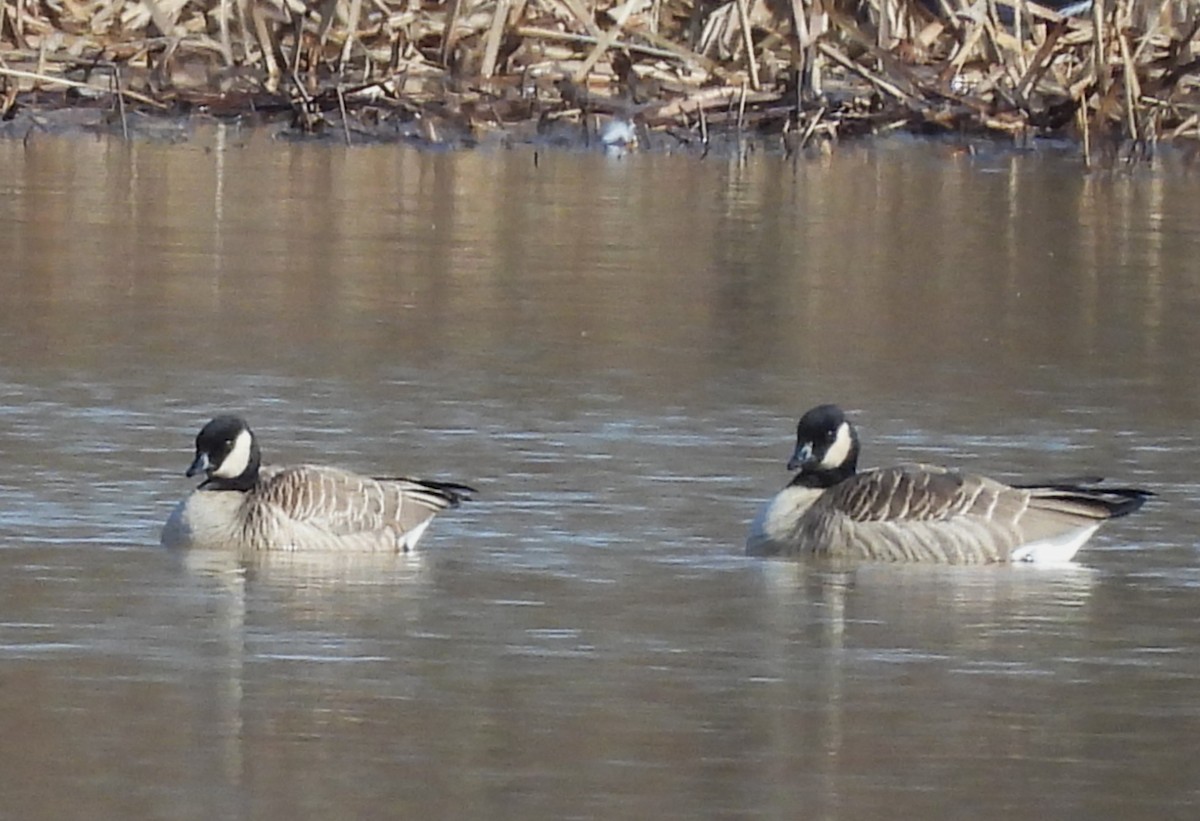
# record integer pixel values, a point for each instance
(453, 492)
(1132, 499)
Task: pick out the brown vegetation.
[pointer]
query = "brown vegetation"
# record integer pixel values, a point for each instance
(1123, 74)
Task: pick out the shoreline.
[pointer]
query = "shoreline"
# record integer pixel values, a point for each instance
(1117, 82)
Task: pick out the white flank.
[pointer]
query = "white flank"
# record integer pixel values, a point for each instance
(1056, 550)
(238, 460)
(838, 452)
(409, 540)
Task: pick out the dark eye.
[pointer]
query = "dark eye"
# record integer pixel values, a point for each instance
(830, 435)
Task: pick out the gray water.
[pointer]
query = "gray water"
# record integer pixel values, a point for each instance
(614, 350)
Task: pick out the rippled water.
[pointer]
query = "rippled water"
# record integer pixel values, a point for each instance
(614, 350)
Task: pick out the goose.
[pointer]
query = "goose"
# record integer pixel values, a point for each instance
(921, 513)
(244, 505)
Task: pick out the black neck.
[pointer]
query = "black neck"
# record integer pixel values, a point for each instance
(823, 478)
(239, 483)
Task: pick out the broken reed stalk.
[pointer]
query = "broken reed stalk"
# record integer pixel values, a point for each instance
(811, 127)
(800, 51)
(534, 33)
(1132, 92)
(582, 16)
(1040, 64)
(351, 33)
(603, 43)
(50, 79)
(345, 117)
(1084, 119)
(116, 81)
(865, 73)
(492, 48)
(223, 32)
(449, 38)
(266, 47)
(748, 42)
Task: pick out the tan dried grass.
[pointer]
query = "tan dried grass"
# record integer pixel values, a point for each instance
(1125, 74)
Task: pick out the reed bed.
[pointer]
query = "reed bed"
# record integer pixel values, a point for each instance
(1118, 76)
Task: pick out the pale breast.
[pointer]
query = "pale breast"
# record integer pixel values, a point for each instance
(775, 530)
(205, 520)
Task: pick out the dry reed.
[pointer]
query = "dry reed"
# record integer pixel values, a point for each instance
(1120, 78)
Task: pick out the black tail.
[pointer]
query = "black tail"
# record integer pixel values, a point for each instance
(456, 493)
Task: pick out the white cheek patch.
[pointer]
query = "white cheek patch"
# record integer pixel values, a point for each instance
(238, 460)
(839, 451)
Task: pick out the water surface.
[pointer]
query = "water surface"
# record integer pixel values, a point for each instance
(615, 351)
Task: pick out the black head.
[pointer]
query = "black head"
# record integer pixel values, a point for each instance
(826, 447)
(227, 453)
